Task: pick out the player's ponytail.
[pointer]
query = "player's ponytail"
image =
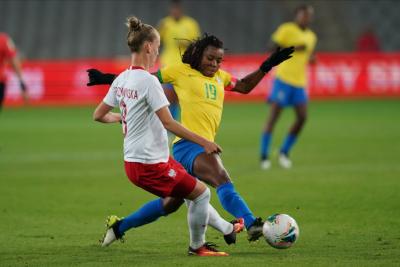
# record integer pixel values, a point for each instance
(138, 33)
(134, 24)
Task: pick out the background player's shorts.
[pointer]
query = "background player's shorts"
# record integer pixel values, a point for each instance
(287, 95)
(161, 179)
(185, 152)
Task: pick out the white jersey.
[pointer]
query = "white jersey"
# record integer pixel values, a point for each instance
(139, 95)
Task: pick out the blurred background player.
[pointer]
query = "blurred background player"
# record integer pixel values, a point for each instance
(368, 41)
(290, 82)
(144, 116)
(8, 53)
(176, 31)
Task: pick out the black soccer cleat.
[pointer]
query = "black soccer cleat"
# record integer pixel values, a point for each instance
(254, 232)
(238, 226)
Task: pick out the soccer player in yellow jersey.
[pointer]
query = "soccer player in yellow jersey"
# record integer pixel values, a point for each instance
(290, 83)
(176, 31)
(200, 84)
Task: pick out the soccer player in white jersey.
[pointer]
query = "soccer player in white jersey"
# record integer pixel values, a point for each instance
(145, 117)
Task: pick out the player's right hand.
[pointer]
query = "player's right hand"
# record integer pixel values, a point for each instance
(96, 77)
(211, 147)
(24, 92)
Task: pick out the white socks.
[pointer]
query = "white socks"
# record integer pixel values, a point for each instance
(198, 219)
(217, 222)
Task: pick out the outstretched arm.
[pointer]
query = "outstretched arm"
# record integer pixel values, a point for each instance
(246, 84)
(97, 77)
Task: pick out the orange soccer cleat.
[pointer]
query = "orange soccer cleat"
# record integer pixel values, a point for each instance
(238, 225)
(206, 250)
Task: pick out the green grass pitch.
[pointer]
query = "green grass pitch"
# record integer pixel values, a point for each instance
(61, 174)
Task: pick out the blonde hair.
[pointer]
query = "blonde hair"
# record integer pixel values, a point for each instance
(138, 33)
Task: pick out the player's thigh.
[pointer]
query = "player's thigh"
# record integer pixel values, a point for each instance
(210, 169)
(275, 111)
(300, 101)
(186, 152)
(167, 179)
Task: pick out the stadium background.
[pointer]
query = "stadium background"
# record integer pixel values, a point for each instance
(59, 40)
(57, 29)
(61, 173)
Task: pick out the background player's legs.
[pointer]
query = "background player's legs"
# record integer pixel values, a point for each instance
(291, 138)
(275, 111)
(301, 116)
(2, 94)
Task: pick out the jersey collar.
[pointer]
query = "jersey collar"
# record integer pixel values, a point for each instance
(136, 68)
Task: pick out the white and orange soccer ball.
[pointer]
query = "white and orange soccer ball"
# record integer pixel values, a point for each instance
(280, 231)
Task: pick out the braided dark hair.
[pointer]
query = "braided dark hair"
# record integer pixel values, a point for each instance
(195, 50)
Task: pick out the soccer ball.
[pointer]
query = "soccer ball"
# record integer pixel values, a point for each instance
(280, 231)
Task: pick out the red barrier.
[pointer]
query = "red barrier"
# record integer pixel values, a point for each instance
(338, 75)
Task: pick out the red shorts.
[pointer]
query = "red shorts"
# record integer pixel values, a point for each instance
(167, 179)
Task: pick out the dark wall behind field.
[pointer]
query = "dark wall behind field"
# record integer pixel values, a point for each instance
(95, 28)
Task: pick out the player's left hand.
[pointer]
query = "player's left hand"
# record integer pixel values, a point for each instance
(276, 58)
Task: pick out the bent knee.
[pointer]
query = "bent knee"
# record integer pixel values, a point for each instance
(206, 194)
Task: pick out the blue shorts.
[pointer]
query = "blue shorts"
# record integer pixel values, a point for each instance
(185, 152)
(287, 95)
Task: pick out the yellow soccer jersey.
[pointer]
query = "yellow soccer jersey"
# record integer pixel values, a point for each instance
(201, 98)
(294, 70)
(170, 30)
